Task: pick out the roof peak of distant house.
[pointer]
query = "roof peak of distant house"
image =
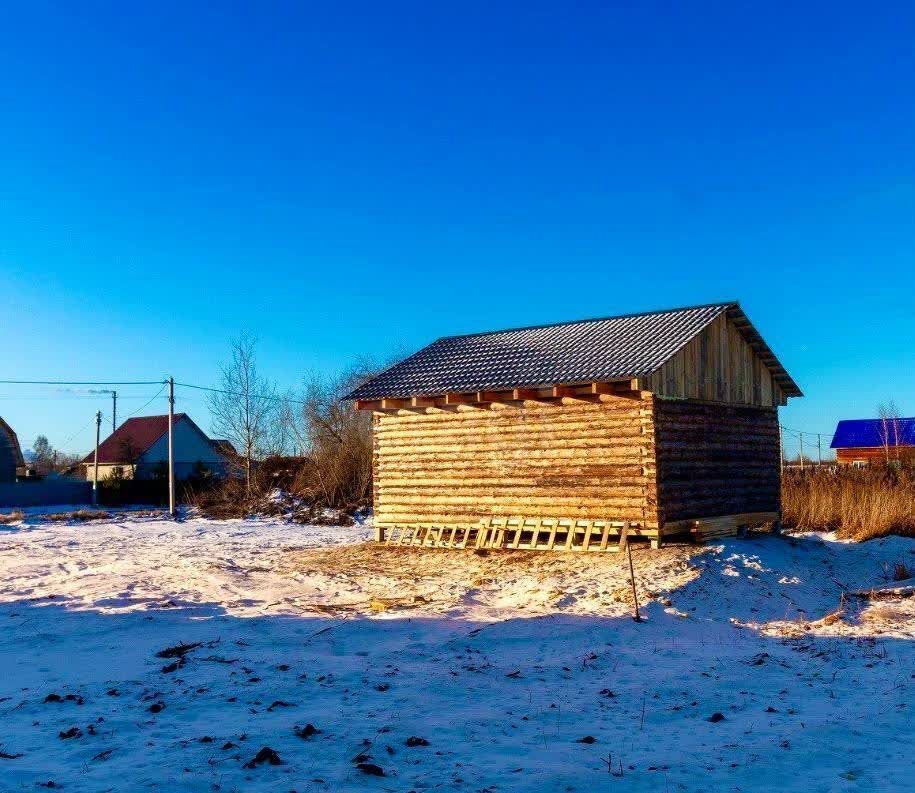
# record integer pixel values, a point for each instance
(149, 418)
(725, 304)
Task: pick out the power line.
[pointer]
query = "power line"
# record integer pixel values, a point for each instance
(153, 399)
(237, 394)
(49, 397)
(270, 397)
(79, 432)
(805, 432)
(81, 382)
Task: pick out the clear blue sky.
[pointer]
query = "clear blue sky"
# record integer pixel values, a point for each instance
(360, 178)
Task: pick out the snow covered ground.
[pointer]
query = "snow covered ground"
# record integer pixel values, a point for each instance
(443, 669)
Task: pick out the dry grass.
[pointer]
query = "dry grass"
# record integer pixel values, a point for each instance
(11, 517)
(856, 503)
(79, 515)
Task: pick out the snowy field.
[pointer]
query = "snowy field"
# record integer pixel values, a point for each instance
(141, 654)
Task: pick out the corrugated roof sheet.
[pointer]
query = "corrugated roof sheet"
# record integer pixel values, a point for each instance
(564, 353)
(874, 433)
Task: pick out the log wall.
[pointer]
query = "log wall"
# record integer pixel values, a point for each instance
(715, 459)
(573, 459)
(875, 455)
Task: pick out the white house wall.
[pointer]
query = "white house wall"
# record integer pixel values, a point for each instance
(190, 448)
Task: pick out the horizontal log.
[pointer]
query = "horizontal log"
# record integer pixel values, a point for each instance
(473, 517)
(674, 500)
(701, 466)
(497, 444)
(546, 471)
(494, 454)
(564, 423)
(520, 428)
(538, 409)
(699, 434)
(421, 491)
(510, 502)
(509, 481)
(681, 490)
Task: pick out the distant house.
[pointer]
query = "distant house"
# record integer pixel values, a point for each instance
(10, 453)
(138, 449)
(864, 441)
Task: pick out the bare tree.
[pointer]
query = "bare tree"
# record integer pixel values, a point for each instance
(889, 428)
(334, 437)
(245, 407)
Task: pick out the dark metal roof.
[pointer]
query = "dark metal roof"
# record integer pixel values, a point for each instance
(570, 352)
(873, 433)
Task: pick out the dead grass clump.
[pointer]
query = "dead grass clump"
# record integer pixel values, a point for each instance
(11, 517)
(856, 503)
(79, 515)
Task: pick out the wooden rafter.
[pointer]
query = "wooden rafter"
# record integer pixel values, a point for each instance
(459, 399)
(545, 393)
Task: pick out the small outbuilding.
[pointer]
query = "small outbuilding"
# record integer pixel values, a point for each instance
(862, 442)
(10, 453)
(580, 435)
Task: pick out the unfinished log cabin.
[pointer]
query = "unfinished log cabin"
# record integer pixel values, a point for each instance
(580, 435)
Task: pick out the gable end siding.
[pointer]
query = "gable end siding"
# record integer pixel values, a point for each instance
(719, 365)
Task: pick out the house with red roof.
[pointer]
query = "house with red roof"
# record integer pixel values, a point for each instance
(138, 449)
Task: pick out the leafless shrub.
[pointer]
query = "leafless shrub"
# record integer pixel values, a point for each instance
(11, 517)
(335, 440)
(325, 468)
(856, 503)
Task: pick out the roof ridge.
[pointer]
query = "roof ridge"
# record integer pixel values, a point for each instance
(631, 315)
(156, 416)
(878, 418)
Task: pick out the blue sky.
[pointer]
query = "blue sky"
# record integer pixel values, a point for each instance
(347, 179)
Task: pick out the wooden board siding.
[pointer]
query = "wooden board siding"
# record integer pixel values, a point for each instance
(875, 455)
(715, 459)
(718, 365)
(573, 459)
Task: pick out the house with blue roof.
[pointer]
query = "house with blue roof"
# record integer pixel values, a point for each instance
(864, 441)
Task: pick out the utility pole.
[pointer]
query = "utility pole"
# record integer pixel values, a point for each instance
(820, 448)
(781, 452)
(171, 446)
(98, 432)
(114, 410)
(801, 434)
